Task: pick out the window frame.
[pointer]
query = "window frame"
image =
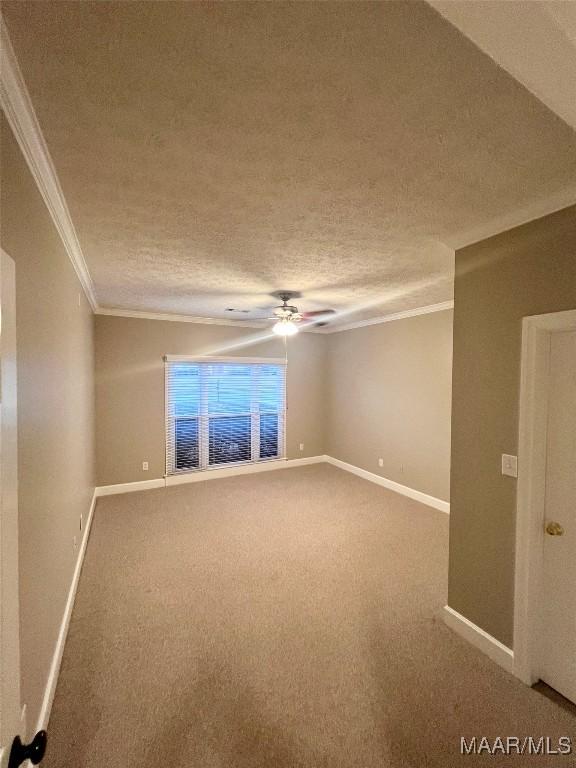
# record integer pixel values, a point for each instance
(203, 419)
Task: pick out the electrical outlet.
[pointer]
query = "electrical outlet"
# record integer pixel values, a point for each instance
(145, 466)
(301, 446)
(380, 462)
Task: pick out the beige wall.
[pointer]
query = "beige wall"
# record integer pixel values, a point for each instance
(389, 397)
(527, 271)
(55, 415)
(130, 388)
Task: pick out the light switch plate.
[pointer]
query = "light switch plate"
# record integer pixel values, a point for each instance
(509, 465)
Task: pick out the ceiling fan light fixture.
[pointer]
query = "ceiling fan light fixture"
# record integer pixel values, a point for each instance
(285, 327)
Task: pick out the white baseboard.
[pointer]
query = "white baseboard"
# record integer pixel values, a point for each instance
(139, 485)
(52, 681)
(209, 474)
(243, 469)
(424, 498)
(267, 466)
(307, 460)
(493, 648)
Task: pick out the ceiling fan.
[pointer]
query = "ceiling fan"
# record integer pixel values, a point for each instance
(288, 316)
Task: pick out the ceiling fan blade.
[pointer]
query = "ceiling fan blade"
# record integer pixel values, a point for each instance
(318, 313)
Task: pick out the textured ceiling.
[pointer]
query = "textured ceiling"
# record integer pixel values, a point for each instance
(211, 153)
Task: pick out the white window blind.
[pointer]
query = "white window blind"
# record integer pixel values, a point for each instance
(223, 412)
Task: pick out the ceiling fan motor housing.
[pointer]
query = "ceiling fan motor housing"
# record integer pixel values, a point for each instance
(286, 310)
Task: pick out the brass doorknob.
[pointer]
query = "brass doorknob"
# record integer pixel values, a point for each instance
(554, 529)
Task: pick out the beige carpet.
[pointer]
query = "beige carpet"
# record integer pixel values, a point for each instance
(281, 620)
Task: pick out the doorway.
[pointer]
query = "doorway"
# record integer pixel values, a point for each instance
(10, 715)
(545, 596)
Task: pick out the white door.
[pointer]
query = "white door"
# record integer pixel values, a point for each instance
(9, 627)
(557, 653)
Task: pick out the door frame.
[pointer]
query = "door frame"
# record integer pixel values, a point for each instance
(530, 499)
(11, 716)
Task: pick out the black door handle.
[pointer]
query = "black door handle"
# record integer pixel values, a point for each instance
(34, 751)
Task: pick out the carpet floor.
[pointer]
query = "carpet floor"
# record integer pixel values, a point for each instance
(289, 619)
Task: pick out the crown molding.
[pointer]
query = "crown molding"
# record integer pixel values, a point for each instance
(441, 307)
(134, 313)
(138, 315)
(17, 106)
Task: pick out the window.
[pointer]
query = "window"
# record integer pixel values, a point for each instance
(222, 412)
